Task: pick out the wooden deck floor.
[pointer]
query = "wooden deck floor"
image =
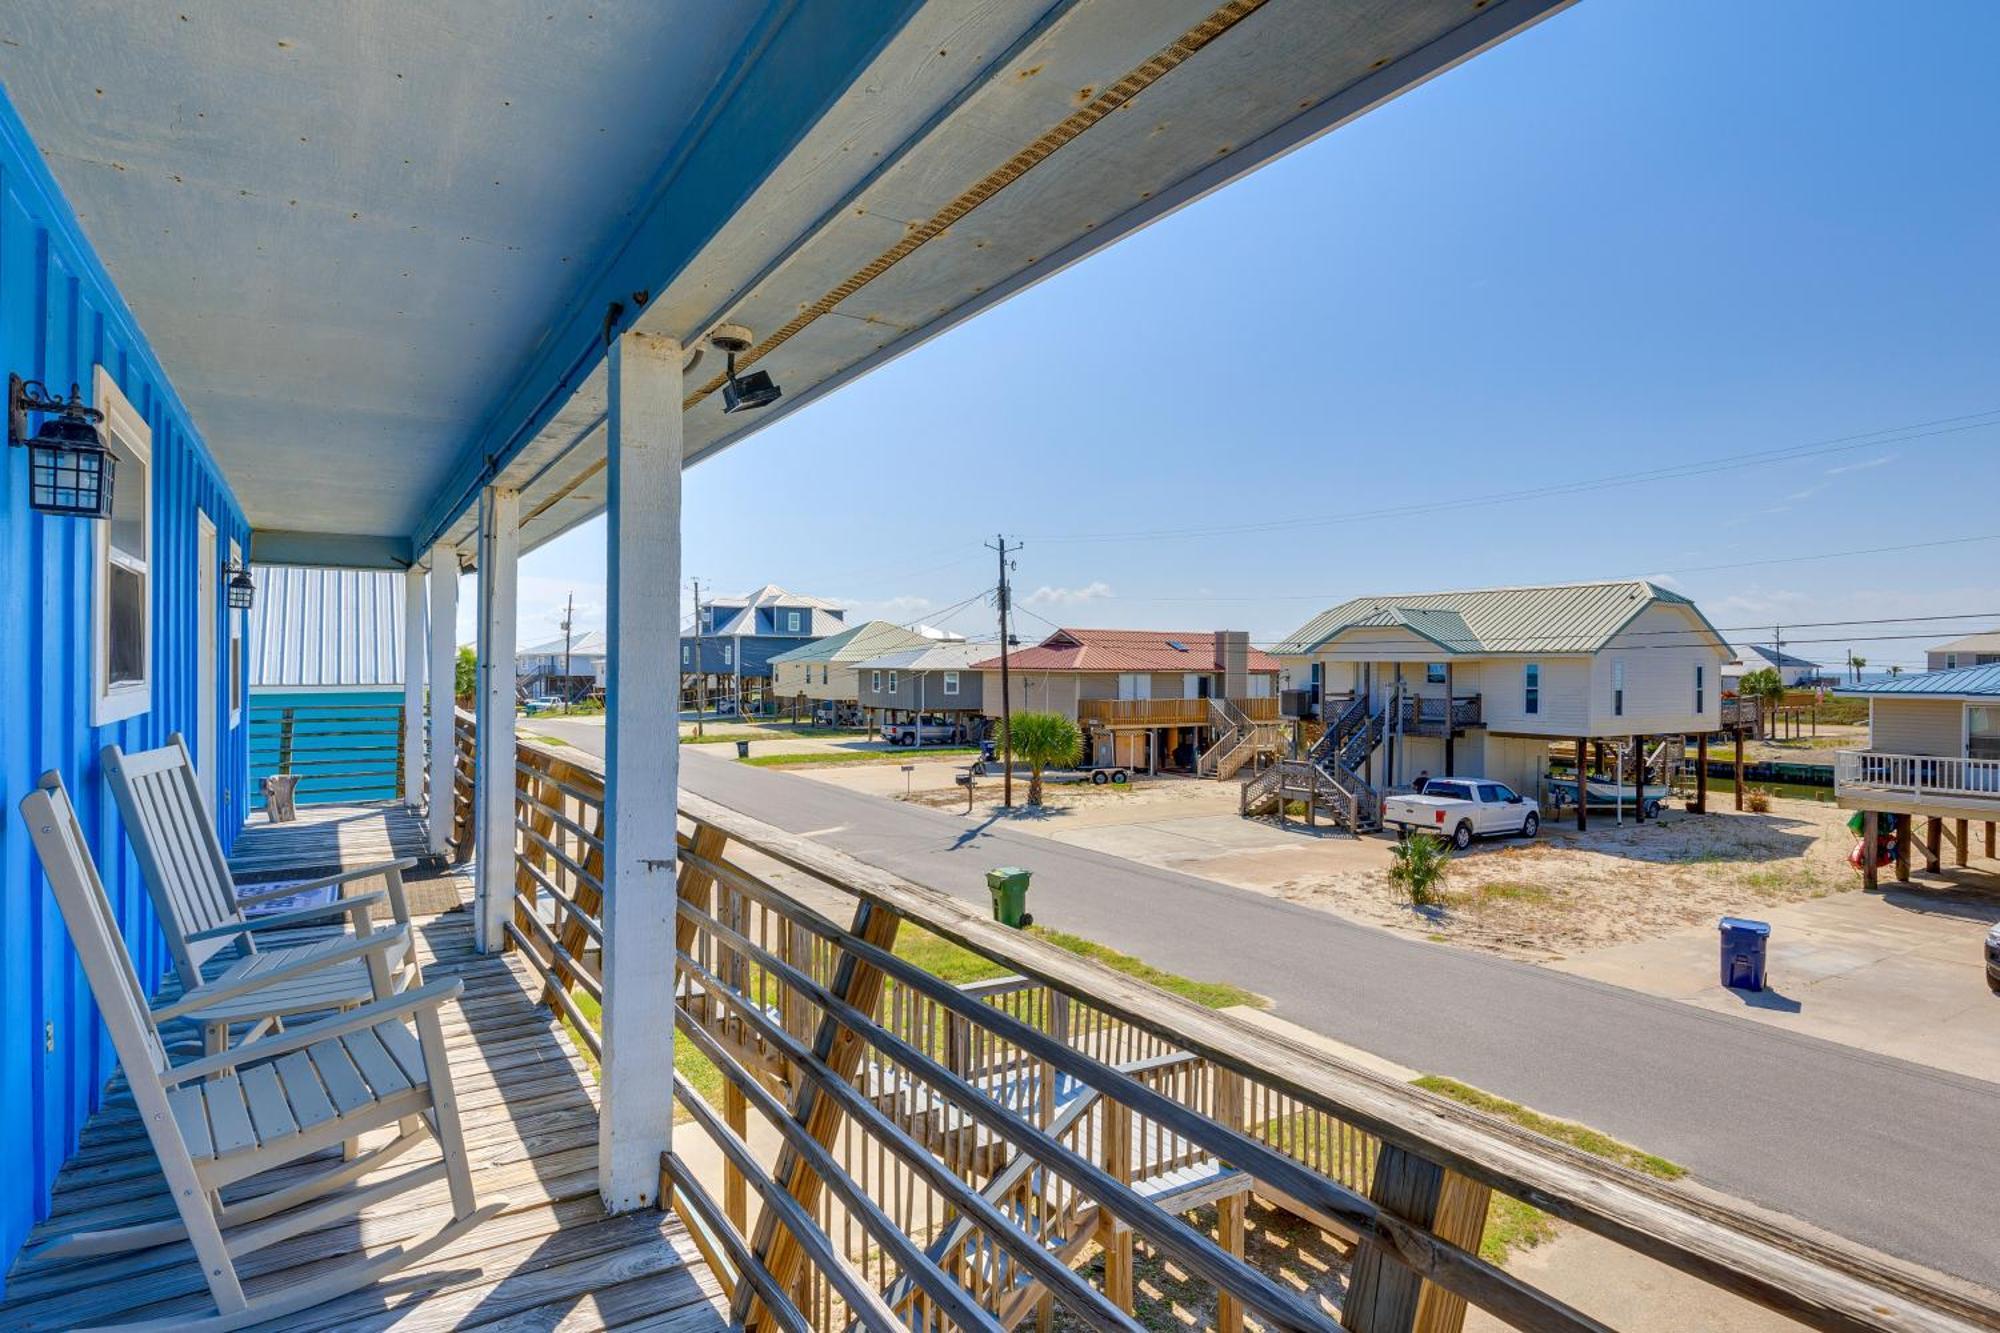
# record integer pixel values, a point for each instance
(553, 1259)
(326, 838)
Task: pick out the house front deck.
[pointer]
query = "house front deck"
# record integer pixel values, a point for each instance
(552, 1258)
(1916, 784)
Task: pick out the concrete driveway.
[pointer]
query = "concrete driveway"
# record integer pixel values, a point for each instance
(1897, 972)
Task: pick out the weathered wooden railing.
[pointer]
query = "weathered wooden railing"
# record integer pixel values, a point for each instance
(338, 751)
(1167, 712)
(1425, 716)
(933, 1155)
(464, 766)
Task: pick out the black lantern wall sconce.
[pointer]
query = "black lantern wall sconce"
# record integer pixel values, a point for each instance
(70, 472)
(242, 588)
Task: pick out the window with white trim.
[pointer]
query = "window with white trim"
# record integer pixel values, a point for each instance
(123, 607)
(875, 681)
(1531, 702)
(236, 619)
(1951, 661)
(728, 653)
(792, 622)
(951, 682)
(892, 682)
(1617, 689)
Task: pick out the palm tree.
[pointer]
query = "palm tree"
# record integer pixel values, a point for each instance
(1858, 662)
(1042, 740)
(1764, 685)
(1895, 670)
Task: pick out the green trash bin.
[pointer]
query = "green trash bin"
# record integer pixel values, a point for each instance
(1009, 886)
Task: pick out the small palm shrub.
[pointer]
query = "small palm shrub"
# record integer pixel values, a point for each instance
(1418, 867)
(1042, 741)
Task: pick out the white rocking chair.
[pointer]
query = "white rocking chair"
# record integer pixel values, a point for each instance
(201, 910)
(227, 1117)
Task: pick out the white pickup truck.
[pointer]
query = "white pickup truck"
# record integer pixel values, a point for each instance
(928, 731)
(1462, 809)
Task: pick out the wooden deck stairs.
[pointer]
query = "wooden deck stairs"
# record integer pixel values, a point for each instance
(1239, 740)
(1328, 780)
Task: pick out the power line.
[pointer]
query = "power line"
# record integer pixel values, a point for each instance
(1908, 434)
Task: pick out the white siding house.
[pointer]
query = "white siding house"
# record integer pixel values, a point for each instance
(1522, 667)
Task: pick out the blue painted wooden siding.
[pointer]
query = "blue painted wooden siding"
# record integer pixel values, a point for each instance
(59, 316)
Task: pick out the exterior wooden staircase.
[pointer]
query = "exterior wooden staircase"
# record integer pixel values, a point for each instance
(1328, 778)
(1238, 740)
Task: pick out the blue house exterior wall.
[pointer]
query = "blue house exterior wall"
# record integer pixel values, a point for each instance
(60, 315)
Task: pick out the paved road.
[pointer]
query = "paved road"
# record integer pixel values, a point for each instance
(1897, 1155)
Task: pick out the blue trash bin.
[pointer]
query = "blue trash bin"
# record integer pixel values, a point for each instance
(1744, 944)
(987, 749)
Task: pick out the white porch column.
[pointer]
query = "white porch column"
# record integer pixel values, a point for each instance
(493, 789)
(642, 766)
(413, 686)
(443, 688)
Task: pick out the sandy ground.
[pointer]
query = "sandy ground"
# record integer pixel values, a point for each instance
(1567, 893)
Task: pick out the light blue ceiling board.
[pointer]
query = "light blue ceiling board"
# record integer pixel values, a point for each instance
(221, 168)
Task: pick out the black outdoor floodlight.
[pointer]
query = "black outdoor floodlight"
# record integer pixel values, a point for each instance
(70, 472)
(741, 392)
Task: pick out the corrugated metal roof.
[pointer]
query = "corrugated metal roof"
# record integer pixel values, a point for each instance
(1988, 642)
(590, 643)
(319, 628)
(1972, 680)
(1557, 618)
(936, 657)
(1127, 650)
(851, 645)
(1768, 655)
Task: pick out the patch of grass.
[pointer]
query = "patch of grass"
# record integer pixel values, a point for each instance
(1592, 1141)
(1512, 1225)
(548, 740)
(1437, 938)
(1212, 994)
(697, 1068)
(819, 758)
(1514, 891)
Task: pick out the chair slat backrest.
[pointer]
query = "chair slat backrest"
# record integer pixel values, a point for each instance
(180, 854)
(72, 874)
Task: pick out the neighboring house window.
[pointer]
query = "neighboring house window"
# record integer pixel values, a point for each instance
(824, 668)
(684, 654)
(728, 654)
(1951, 661)
(1135, 685)
(124, 602)
(1532, 703)
(1617, 689)
(951, 682)
(792, 621)
(1434, 673)
(892, 682)
(875, 681)
(236, 619)
(1700, 695)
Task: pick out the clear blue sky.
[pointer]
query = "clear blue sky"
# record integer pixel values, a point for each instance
(1647, 233)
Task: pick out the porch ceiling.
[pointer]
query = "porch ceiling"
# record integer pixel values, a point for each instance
(383, 336)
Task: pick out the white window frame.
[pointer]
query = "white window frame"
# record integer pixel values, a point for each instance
(687, 655)
(951, 682)
(875, 681)
(728, 653)
(237, 665)
(1951, 661)
(792, 622)
(1617, 689)
(1531, 689)
(892, 682)
(130, 435)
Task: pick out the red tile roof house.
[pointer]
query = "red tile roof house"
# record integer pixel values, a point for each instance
(1154, 700)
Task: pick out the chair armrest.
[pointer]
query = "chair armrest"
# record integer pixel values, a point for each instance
(428, 996)
(298, 916)
(215, 992)
(269, 892)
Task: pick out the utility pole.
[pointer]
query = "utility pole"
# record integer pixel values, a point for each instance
(700, 680)
(1006, 701)
(569, 614)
